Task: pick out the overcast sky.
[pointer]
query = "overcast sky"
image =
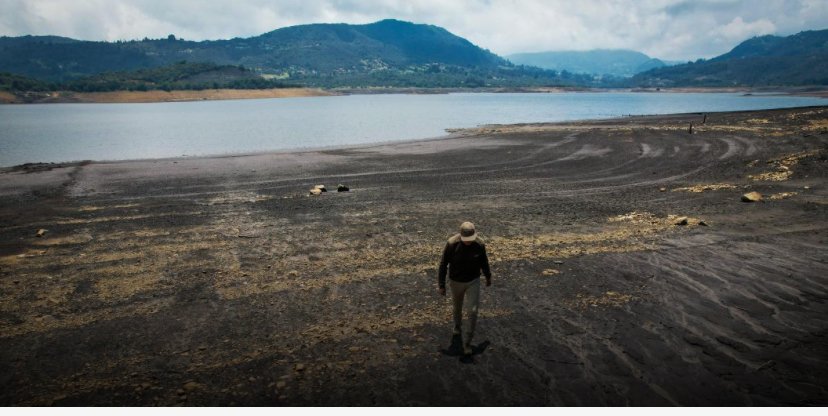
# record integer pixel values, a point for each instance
(666, 29)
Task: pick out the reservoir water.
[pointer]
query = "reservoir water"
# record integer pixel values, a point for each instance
(72, 132)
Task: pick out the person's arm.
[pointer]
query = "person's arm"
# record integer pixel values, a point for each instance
(444, 261)
(484, 265)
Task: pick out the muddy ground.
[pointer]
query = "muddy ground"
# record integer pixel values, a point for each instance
(220, 281)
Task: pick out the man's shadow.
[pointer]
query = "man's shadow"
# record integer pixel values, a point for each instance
(456, 349)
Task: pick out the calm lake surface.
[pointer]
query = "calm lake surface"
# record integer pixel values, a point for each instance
(72, 132)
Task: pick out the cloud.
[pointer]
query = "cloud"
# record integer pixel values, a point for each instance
(668, 29)
(738, 29)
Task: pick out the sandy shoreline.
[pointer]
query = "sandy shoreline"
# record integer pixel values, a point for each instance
(228, 94)
(218, 281)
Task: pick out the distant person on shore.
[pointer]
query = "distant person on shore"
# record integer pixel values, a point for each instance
(464, 257)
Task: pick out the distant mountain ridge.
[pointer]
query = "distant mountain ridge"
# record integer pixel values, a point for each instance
(800, 59)
(314, 48)
(616, 62)
(393, 53)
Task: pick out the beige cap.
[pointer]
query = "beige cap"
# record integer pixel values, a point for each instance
(467, 232)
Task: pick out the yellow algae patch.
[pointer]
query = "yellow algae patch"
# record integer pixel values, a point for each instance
(609, 298)
(119, 265)
(379, 261)
(238, 198)
(120, 287)
(90, 208)
(625, 234)
(782, 195)
(796, 115)
(51, 295)
(129, 236)
(821, 124)
(702, 188)
(777, 176)
(150, 233)
(783, 167)
(39, 323)
(123, 218)
(550, 272)
(757, 121)
(288, 270)
(335, 267)
(116, 269)
(16, 258)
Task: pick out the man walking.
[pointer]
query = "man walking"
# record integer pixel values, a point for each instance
(464, 257)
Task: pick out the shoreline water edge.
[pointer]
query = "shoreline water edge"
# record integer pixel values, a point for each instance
(159, 96)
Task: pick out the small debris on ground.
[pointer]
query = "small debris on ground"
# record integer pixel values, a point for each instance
(781, 196)
(752, 197)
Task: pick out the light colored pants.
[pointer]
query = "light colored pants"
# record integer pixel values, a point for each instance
(471, 293)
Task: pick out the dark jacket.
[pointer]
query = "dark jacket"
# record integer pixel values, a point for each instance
(463, 262)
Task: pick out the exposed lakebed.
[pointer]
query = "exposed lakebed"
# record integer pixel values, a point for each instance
(627, 271)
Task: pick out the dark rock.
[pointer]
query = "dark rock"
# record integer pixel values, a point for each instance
(190, 386)
(342, 188)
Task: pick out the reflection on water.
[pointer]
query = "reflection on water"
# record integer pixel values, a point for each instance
(69, 132)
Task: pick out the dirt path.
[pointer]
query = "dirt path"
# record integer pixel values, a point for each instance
(220, 281)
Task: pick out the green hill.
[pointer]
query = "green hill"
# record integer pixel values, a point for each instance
(12, 82)
(386, 53)
(800, 59)
(178, 76)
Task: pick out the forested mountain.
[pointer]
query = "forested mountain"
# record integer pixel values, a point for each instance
(800, 59)
(616, 62)
(385, 53)
(315, 48)
(392, 53)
